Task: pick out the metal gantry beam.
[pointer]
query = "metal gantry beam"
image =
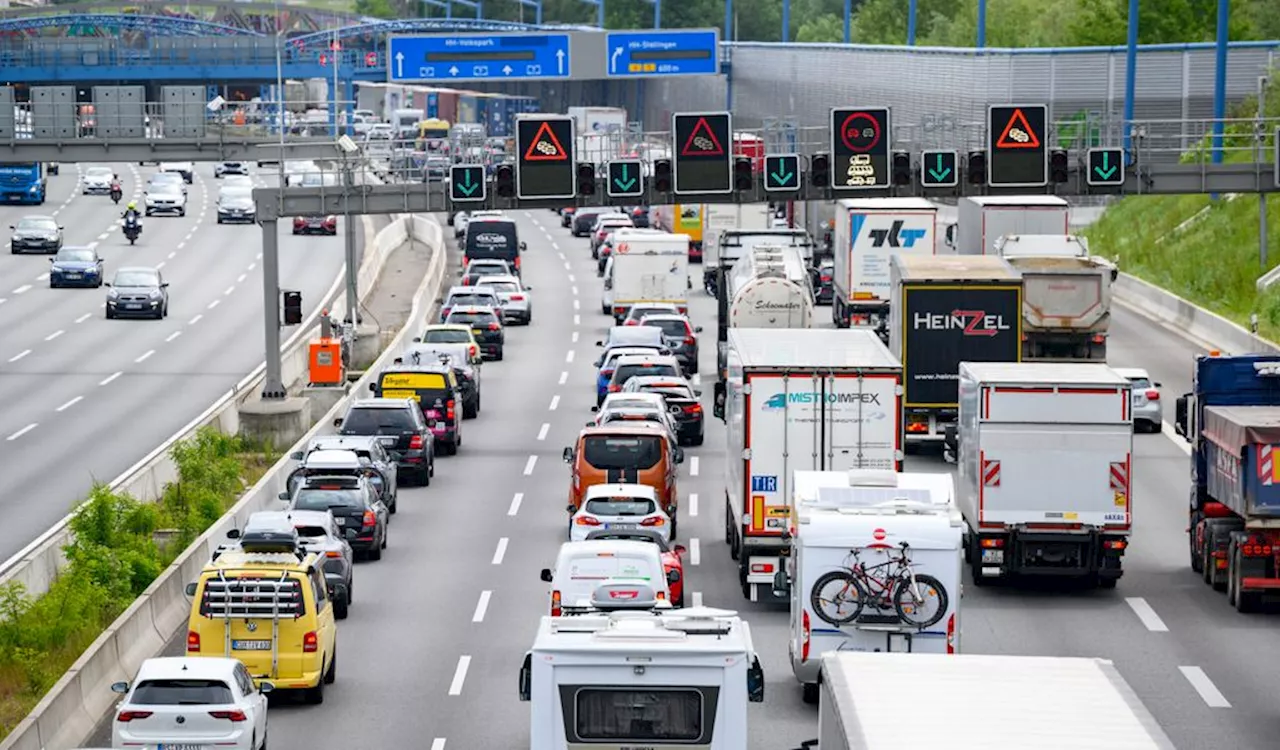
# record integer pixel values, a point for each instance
(167, 149)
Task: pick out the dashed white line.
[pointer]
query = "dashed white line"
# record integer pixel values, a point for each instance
(572, 280)
(481, 606)
(213, 304)
(574, 337)
(70, 403)
(695, 551)
(564, 376)
(104, 235)
(459, 675)
(240, 279)
(542, 432)
(574, 290)
(693, 466)
(110, 378)
(577, 319)
(160, 264)
(697, 598)
(500, 552)
(555, 403)
(696, 380)
(555, 245)
(22, 432)
(516, 499)
(258, 256)
(19, 355)
(3, 300)
(568, 357)
(437, 743)
(576, 304)
(561, 255)
(195, 320)
(83, 318)
(528, 465)
(42, 277)
(22, 289)
(1177, 439)
(146, 356)
(567, 266)
(1146, 614)
(172, 255)
(172, 336)
(693, 504)
(1209, 692)
(182, 244)
(252, 266)
(228, 291)
(54, 335)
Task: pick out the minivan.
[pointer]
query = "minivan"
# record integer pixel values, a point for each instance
(583, 567)
(626, 454)
(495, 238)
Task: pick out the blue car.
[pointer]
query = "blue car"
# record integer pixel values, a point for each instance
(76, 266)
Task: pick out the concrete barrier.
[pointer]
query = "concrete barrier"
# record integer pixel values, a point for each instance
(1212, 331)
(67, 716)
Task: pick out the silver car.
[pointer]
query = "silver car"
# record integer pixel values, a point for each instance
(1147, 414)
(680, 336)
(468, 296)
(97, 181)
(517, 306)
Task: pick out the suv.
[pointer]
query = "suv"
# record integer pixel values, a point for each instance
(486, 327)
(468, 296)
(381, 469)
(631, 365)
(680, 336)
(341, 461)
(354, 506)
(400, 427)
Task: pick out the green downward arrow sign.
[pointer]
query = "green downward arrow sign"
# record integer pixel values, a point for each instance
(1107, 169)
(938, 172)
(467, 188)
(624, 183)
(782, 176)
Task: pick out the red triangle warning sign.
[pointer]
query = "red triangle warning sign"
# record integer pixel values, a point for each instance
(546, 146)
(1018, 133)
(702, 141)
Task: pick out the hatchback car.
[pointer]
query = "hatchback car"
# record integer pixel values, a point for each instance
(185, 169)
(609, 362)
(368, 449)
(36, 234)
(164, 199)
(672, 563)
(629, 366)
(182, 701)
(400, 427)
(484, 267)
(680, 336)
(235, 204)
(468, 296)
(97, 181)
(640, 310)
(354, 506)
(486, 327)
(513, 294)
(1147, 414)
(76, 266)
(225, 168)
(618, 507)
(326, 225)
(584, 220)
(681, 401)
(137, 292)
(167, 178)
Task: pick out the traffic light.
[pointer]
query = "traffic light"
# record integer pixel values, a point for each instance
(976, 168)
(504, 180)
(743, 179)
(586, 179)
(662, 175)
(1058, 171)
(902, 174)
(820, 170)
(292, 308)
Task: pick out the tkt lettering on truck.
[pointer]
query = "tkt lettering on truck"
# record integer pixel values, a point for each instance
(970, 322)
(780, 400)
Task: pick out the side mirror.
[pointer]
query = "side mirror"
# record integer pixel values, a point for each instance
(164, 285)
(679, 549)
(60, 227)
(523, 247)
(717, 407)
(1157, 384)
(679, 455)
(351, 534)
(599, 343)
(697, 392)
(597, 363)
(266, 688)
(233, 534)
(296, 455)
(755, 682)
(673, 576)
(190, 589)
(567, 456)
(951, 234)
(51, 260)
(417, 339)
(528, 288)
(106, 283)
(120, 687)
(570, 508)
(781, 584)
(283, 496)
(697, 329)
(588, 424)
(545, 575)
(1180, 417)
(526, 678)
(595, 409)
(671, 511)
(373, 388)
(337, 422)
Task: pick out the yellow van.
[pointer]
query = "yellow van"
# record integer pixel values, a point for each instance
(272, 612)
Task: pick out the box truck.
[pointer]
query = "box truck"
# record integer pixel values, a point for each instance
(982, 220)
(718, 218)
(869, 232)
(647, 267)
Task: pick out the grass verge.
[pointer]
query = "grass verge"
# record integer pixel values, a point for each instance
(112, 558)
(1202, 250)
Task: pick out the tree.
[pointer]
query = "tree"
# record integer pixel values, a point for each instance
(828, 28)
(376, 8)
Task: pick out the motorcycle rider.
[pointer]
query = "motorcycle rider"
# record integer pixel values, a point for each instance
(116, 190)
(131, 212)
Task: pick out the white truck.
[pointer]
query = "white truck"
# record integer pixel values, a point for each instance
(718, 218)
(1049, 702)
(869, 232)
(769, 287)
(872, 513)
(600, 132)
(641, 679)
(1066, 295)
(1045, 453)
(798, 399)
(647, 266)
(982, 220)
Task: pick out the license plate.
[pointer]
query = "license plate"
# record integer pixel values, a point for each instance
(72, 275)
(171, 746)
(340, 520)
(133, 307)
(388, 440)
(621, 526)
(478, 331)
(251, 645)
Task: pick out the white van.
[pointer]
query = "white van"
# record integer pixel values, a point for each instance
(582, 567)
(844, 519)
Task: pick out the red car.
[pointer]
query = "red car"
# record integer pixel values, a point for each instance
(315, 225)
(671, 555)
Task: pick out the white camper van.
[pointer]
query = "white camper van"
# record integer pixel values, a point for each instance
(900, 527)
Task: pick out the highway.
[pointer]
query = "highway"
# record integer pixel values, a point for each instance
(85, 397)
(431, 651)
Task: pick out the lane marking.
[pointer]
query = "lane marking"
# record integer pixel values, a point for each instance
(481, 606)
(576, 304)
(577, 319)
(696, 380)
(542, 432)
(1146, 614)
(146, 356)
(54, 335)
(19, 355)
(693, 504)
(555, 402)
(695, 551)
(3, 300)
(213, 304)
(459, 675)
(229, 290)
(564, 376)
(1209, 692)
(693, 466)
(195, 320)
(252, 266)
(500, 552)
(569, 356)
(171, 255)
(574, 289)
(22, 432)
(83, 318)
(574, 337)
(160, 264)
(172, 336)
(516, 499)
(697, 598)
(42, 277)
(182, 244)
(22, 289)
(110, 378)
(555, 245)
(240, 279)
(70, 403)
(571, 279)
(567, 267)
(1173, 435)
(103, 236)
(437, 743)
(561, 255)
(528, 465)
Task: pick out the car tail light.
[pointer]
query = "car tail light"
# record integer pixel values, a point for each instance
(619, 310)
(415, 443)
(1153, 395)
(683, 309)
(333, 553)
(804, 635)
(693, 409)
(310, 642)
(951, 633)
(494, 327)
(517, 264)
(235, 715)
(614, 388)
(467, 281)
(1120, 544)
(444, 311)
(474, 350)
(193, 642)
(825, 278)
(555, 604)
(690, 341)
(128, 716)
(517, 298)
(369, 518)
(449, 410)
(660, 596)
(653, 521)
(587, 521)
(631, 322)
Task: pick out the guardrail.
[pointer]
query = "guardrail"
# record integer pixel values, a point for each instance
(1211, 330)
(68, 714)
(37, 564)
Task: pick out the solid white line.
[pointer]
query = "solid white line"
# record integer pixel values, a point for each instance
(22, 432)
(213, 304)
(1146, 614)
(693, 504)
(70, 403)
(172, 336)
(83, 318)
(229, 290)
(577, 319)
(500, 552)
(1209, 692)
(516, 499)
(481, 606)
(241, 278)
(195, 320)
(542, 432)
(19, 355)
(54, 335)
(146, 356)
(528, 465)
(569, 357)
(697, 598)
(1177, 439)
(437, 743)
(571, 279)
(555, 402)
(695, 551)
(22, 289)
(110, 378)
(693, 466)
(574, 337)
(564, 376)
(459, 675)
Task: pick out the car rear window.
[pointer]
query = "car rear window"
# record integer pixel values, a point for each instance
(641, 715)
(446, 336)
(182, 693)
(622, 451)
(502, 286)
(487, 269)
(669, 327)
(610, 506)
(309, 498)
(312, 532)
(374, 421)
(639, 312)
(472, 318)
(1140, 382)
(626, 372)
(474, 298)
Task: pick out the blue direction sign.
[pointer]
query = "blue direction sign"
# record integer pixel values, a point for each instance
(688, 52)
(466, 183)
(477, 57)
(626, 179)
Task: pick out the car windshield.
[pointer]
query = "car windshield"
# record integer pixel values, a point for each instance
(487, 269)
(182, 693)
(41, 225)
(99, 172)
(620, 506)
(374, 421)
(503, 286)
(447, 336)
(165, 188)
(608, 452)
(472, 298)
(626, 372)
(318, 499)
(669, 326)
(136, 278)
(75, 254)
(1140, 383)
(472, 318)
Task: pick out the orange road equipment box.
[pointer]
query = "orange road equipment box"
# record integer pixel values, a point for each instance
(325, 361)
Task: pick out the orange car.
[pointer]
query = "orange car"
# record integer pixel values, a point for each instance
(633, 454)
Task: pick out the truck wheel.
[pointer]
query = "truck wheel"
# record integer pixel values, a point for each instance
(809, 693)
(1196, 563)
(742, 579)
(1232, 567)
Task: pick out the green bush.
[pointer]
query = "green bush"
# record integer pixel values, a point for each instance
(111, 559)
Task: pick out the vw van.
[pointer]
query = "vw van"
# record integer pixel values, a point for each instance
(436, 389)
(626, 454)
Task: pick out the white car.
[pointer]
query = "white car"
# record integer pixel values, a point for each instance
(188, 702)
(165, 199)
(237, 180)
(168, 178)
(619, 506)
(460, 221)
(658, 418)
(626, 400)
(97, 181)
(225, 168)
(184, 168)
(517, 306)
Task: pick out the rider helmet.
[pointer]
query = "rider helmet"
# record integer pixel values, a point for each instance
(133, 206)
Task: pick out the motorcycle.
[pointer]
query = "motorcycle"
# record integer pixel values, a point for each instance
(132, 228)
(116, 194)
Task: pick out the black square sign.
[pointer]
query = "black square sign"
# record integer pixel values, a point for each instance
(544, 158)
(1016, 152)
(703, 144)
(861, 140)
(466, 183)
(626, 179)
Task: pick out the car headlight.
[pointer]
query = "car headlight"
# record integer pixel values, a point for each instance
(112, 294)
(155, 294)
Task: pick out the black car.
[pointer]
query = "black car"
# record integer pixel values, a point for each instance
(639, 216)
(566, 216)
(824, 289)
(138, 292)
(236, 204)
(36, 234)
(400, 426)
(584, 220)
(354, 505)
(682, 403)
(486, 328)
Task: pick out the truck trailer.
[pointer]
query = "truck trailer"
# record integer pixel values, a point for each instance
(717, 219)
(946, 310)
(1232, 420)
(977, 702)
(1045, 469)
(802, 399)
(869, 232)
(982, 220)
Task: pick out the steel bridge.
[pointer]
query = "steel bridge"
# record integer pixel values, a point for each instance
(164, 18)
